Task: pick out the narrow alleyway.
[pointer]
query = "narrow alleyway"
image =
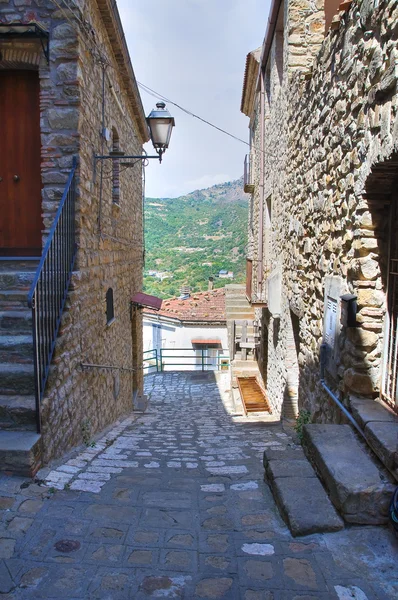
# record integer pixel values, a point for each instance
(178, 509)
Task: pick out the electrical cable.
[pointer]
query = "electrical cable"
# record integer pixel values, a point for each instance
(155, 94)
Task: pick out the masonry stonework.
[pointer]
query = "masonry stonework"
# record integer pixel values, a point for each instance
(88, 87)
(330, 137)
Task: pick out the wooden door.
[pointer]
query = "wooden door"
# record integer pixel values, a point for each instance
(20, 177)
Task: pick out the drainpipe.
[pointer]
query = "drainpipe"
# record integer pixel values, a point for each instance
(323, 358)
(261, 207)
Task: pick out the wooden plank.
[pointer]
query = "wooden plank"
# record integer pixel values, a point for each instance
(253, 397)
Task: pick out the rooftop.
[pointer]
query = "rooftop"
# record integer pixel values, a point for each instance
(202, 307)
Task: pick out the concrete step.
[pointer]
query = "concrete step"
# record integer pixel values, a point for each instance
(299, 495)
(20, 452)
(13, 300)
(356, 486)
(18, 412)
(16, 348)
(15, 321)
(380, 426)
(16, 379)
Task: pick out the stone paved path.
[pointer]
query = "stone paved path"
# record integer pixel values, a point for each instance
(178, 509)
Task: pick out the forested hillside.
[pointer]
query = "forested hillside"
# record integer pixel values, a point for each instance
(190, 238)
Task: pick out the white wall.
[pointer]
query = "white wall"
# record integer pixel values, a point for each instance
(166, 334)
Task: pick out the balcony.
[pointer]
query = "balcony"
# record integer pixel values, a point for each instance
(248, 184)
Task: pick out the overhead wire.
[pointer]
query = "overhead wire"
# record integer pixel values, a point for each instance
(155, 94)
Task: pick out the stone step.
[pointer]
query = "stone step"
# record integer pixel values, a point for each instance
(15, 322)
(380, 426)
(356, 486)
(16, 280)
(13, 300)
(298, 493)
(244, 364)
(17, 379)
(239, 316)
(19, 264)
(20, 452)
(16, 348)
(17, 412)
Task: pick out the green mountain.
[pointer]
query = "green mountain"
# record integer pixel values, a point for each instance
(191, 238)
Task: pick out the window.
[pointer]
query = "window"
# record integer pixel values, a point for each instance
(110, 311)
(115, 168)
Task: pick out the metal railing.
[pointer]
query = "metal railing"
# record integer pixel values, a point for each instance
(49, 290)
(192, 359)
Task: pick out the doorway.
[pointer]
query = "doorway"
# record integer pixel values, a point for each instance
(20, 168)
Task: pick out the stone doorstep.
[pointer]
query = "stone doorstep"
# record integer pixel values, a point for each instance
(20, 452)
(380, 426)
(299, 495)
(356, 486)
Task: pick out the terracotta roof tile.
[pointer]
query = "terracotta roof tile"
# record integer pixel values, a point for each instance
(201, 306)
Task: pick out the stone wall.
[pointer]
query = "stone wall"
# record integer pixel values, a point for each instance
(79, 402)
(329, 163)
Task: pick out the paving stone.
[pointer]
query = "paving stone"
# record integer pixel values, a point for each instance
(164, 586)
(32, 577)
(30, 506)
(258, 549)
(20, 524)
(6, 503)
(214, 588)
(7, 546)
(301, 571)
(141, 557)
(146, 537)
(258, 570)
(6, 583)
(185, 540)
(258, 595)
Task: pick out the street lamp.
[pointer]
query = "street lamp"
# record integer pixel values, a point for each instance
(160, 123)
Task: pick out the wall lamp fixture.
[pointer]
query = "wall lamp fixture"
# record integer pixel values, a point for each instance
(160, 123)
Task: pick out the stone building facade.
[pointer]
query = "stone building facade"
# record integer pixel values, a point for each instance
(321, 95)
(89, 104)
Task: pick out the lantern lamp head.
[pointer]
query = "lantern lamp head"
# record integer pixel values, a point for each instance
(160, 123)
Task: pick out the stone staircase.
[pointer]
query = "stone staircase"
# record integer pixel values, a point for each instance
(359, 487)
(19, 442)
(237, 308)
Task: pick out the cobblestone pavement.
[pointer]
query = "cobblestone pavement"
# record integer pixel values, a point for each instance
(178, 509)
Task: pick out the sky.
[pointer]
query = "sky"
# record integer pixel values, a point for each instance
(193, 52)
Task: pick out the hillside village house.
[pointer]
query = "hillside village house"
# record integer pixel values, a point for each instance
(67, 93)
(187, 333)
(321, 95)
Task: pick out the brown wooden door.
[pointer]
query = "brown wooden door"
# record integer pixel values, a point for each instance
(20, 178)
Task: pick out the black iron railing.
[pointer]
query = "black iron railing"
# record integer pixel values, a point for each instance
(49, 290)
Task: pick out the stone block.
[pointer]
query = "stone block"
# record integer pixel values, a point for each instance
(351, 477)
(305, 506)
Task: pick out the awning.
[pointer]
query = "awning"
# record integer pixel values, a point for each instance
(146, 301)
(210, 342)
